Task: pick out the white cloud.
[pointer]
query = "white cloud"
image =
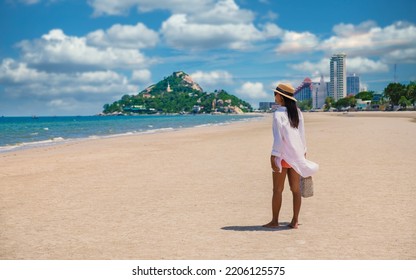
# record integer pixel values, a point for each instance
(394, 42)
(213, 78)
(109, 7)
(313, 68)
(23, 81)
(58, 49)
(223, 12)
(124, 36)
(295, 42)
(13, 72)
(270, 15)
(401, 56)
(67, 104)
(271, 30)
(179, 32)
(200, 25)
(70, 106)
(253, 91)
(347, 30)
(58, 102)
(364, 65)
(101, 78)
(122, 7)
(142, 76)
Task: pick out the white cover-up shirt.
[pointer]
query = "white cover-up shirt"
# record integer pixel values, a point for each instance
(289, 144)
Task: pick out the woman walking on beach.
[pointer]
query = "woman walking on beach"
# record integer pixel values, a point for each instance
(288, 155)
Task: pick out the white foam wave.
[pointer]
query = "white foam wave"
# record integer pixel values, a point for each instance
(26, 145)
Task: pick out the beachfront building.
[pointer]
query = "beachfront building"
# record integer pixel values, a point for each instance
(363, 104)
(266, 106)
(304, 91)
(353, 84)
(319, 93)
(338, 76)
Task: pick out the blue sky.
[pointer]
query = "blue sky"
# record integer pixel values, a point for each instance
(61, 57)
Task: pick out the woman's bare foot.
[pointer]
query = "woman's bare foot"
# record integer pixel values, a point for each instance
(293, 224)
(272, 224)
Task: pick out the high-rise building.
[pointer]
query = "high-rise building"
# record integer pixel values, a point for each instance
(304, 91)
(353, 84)
(319, 93)
(338, 76)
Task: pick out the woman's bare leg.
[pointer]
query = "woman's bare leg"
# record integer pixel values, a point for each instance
(294, 182)
(278, 185)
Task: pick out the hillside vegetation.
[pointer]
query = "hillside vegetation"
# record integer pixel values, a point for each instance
(177, 93)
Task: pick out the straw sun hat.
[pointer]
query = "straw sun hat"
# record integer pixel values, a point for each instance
(286, 90)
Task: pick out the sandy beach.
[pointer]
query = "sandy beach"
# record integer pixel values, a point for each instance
(203, 193)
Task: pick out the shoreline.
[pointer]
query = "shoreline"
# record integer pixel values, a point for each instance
(61, 141)
(203, 193)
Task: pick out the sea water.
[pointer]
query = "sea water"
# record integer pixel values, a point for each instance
(27, 132)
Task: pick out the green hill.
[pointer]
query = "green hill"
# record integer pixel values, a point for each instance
(177, 93)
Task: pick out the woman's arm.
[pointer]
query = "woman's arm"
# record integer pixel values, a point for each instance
(273, 160)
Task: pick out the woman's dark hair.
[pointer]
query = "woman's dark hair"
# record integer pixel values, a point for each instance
(292, 111)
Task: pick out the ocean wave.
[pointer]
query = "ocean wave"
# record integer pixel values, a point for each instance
(205, 125)
(135, 132)
(150, 131)
(215, 124)
(26, 145)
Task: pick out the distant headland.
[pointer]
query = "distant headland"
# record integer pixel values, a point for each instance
(177, 94)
